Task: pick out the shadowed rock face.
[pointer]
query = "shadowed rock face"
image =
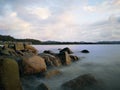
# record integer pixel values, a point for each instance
(9, 75)
(65, 58)
(81, 83)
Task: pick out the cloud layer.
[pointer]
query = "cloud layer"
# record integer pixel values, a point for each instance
(62, 20)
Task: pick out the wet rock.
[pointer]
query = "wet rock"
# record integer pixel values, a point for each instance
(80, 83)
(34, 64)
(85, 51)
(74, 58)
(9, 75)
(66, 50)
(51, 60)
(42, 86)
(65, 58)
(51, 73)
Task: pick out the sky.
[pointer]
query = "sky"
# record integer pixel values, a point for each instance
(61, 20)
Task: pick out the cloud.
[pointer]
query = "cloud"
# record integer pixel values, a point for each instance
(13, 24)
(89, 8)
(42, 13)
(62, 20)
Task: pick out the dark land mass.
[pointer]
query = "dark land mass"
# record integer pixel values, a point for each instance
(8, 38)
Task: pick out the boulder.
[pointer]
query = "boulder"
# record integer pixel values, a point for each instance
(80, 83)
(9, 75)
(66, 50)
(65, 58)
(31, 49)
(85, 51)
(74, 58)
(34, 64)
(19, 46)
(51, 73)
(51, 60)
(42, 86)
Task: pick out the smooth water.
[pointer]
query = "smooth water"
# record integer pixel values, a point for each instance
(103, 62)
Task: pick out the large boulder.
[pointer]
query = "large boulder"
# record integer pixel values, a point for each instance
(80, 83)
(34, 64)
(51, 60)
(66, 50)
(9, 75)
(65, 58)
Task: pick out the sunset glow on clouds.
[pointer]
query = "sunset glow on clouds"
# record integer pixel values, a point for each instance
(61, 20)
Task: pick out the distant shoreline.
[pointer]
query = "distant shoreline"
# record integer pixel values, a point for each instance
(9, 39)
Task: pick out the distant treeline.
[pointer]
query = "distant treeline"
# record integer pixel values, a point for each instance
(7, 38)
(4, 38)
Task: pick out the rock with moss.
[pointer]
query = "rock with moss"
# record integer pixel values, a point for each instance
(9, 75)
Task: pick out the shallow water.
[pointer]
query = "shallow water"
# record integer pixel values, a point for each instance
(103, 62)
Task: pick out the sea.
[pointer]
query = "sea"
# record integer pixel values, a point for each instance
(103, 62)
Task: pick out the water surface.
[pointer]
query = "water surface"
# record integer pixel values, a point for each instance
(103, 62)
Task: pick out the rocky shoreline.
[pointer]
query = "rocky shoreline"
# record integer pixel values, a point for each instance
(19, 60)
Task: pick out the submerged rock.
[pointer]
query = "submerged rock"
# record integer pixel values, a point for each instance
(85, 51)
(9, 75)
(51, 73)
(66, 50)
(42, 86)
(80, 83)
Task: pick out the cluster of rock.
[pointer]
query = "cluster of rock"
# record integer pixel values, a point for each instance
(20, 59)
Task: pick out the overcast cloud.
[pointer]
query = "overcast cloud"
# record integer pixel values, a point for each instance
(61, 20)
